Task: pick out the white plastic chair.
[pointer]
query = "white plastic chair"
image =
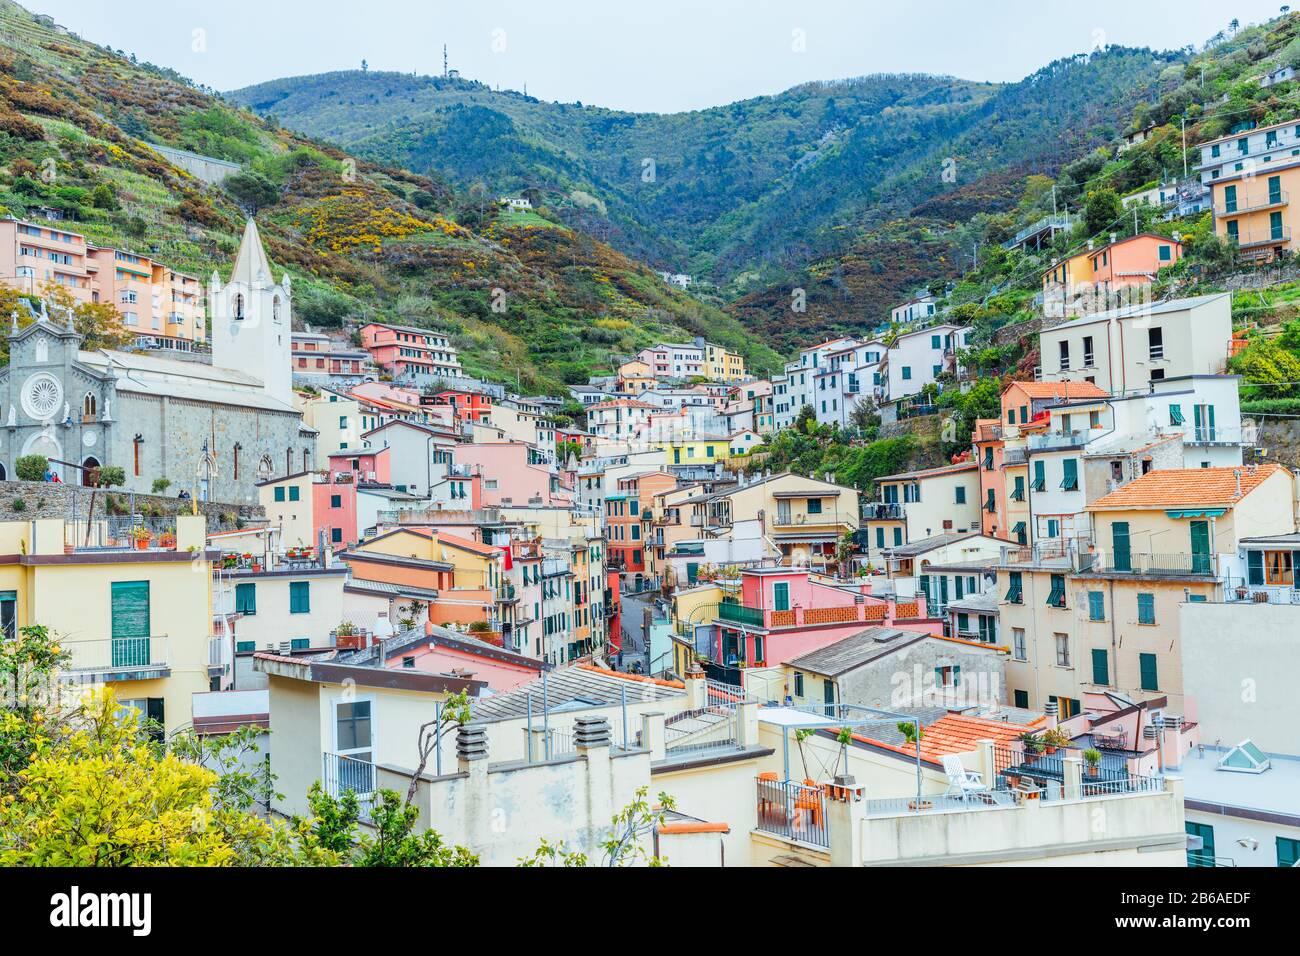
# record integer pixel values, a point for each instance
(961, 782)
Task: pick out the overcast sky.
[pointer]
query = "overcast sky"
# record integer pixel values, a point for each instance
(660, 55)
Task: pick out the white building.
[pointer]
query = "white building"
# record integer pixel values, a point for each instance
(252, 325)
(918, 358)
(1249, 151)
(913, 310)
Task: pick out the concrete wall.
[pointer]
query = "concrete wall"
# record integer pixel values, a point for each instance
(1240, 671)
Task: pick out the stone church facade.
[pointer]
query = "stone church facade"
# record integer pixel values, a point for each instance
(213, 431)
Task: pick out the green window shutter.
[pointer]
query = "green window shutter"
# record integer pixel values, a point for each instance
(245, 647)
(1070, 477)
(1288, 851)
(130, 609)
(961, 495)
(1022, 699)
(1100, 667)
(925, 587)
(1040, 476)
(245, 598)
(1015, 593)
(1202, 560)
(1146, 608)
(963, 623)
(1096, 606)
(781, 596)
(279, 493)
(959, 590)
(1147, 667)
(299, 597)
(1121, 555)
(898, 537)
(1175, 414)
(336, 501)
(295, 493)
(956, 676)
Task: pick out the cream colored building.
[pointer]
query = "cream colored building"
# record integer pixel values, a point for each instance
(916, 505)
(1127, 349)
(1089, 615)
(336, 420)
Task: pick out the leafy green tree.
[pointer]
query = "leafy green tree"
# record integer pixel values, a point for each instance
(252, 190)
(1101, 210)
(103, 197)
(31, 467)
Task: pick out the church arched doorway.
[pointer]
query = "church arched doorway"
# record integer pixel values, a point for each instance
(90, 470)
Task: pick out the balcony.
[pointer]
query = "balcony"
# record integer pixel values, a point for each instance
(1161, 564)
(120, 533)
(1261, 237)
(1237, 591)
(793, 811)
(119, 658)
(884, 511)
(751, 616)
(1273, 200)
(1048, 440)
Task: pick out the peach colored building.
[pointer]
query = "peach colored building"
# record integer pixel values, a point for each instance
(627, 515)
(445, 652)
(163, 307)
(402, 350)
(32, 256)
(509, 476)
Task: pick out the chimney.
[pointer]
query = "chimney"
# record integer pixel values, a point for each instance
(1236, 473)
(471, 752)
(1051, 709)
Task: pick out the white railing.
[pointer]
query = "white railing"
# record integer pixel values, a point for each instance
(117, 653)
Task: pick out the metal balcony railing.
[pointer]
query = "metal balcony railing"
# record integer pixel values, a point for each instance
(1250, 204)
(793, 810)
(1160, 563)
(740, 614)
(118, 653)
(883, 510)
(341, 774)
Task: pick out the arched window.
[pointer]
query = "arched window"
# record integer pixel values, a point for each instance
(239, 306)
(89, 407)
(275, 309)
(264, 468)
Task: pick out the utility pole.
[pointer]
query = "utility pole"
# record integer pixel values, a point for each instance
(1185, 133)
(444, 61)
(1135, 219)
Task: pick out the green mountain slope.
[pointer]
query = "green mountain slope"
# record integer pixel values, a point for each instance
(526, 299)
(750, 194)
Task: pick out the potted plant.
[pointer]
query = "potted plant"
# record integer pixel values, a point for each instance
(1054, 738)
(1033, 745)
(1092, 757)
(141, 537)
(167, 539)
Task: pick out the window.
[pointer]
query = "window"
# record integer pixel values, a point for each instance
(1018, 489)
(1070, 476)
(129, 603)
(353, 736)
(1288, 851)
(1040, 477)
(814, 506)
(1147, 669)
(947, 676)
(1175, 415)
(1015, 592)
(336, 535)
(1018, 644)
(295, 493)
(1155, 344)
(246, 598)
(1096, 607)
(1100, 667)
(1146, 608)
(1064, 351)
(1022, 699)
(1089, 356)
(907, 372)
(8, 614)
(299, 597)
(1056, 598)
(279, 493)
(961, 495)
(781, 596)
(798, 685)
(1062, 649)
(336, 501)
(936, 342)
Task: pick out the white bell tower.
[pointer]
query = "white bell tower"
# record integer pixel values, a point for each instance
(252, 329)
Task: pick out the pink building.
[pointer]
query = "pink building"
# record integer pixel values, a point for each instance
(402, 350)
(443, 652)
(334, 510)
(371, 465)
(509, 477)
(780, 614)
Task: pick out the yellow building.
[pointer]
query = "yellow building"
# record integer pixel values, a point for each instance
(1103, 615)
(695, 451)
(804, 517)
(336, 420)
(288, 504)
(722, 365)
(134, 614)
(1252, 208)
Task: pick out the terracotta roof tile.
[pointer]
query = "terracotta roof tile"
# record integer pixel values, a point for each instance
(1060, 390)
(954, 734)
(1187, 487)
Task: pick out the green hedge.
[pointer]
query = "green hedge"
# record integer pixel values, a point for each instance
(1271, 406)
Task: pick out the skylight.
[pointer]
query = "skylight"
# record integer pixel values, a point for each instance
(1244, 758)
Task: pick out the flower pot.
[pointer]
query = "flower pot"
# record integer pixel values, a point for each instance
(1031, 758)
(1094, 771)
(1050, 749)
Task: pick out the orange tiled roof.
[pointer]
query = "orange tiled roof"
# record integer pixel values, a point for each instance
(1187, 487)
(1060, 389)
(954, 734)
(632, 677)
